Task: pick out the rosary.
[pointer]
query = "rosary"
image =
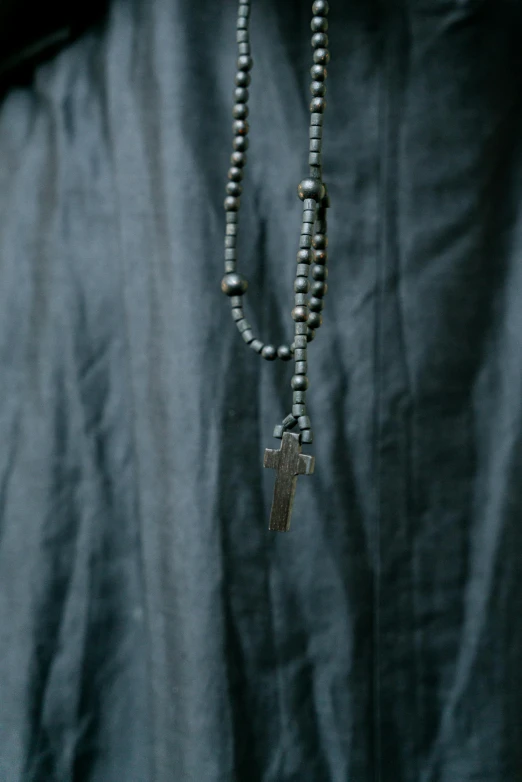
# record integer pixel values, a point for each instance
(289, 461)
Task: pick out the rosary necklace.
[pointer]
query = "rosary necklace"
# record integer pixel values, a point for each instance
(288, 461)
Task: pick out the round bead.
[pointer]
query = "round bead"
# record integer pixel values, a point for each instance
(231, 204)
(240, 111)
(321, 56)
(240, 126)
(234, 188)
(310, 335)
(318, 89)
(269, 353)
(235, 174)
(320, 242)
(321, 257)
(238, 158)
(319, 272)
(240, 143)
(319, 24)
(316, 305)
(310, 188)
(284, 353)
(319, 289)
(243, 79)
(244, 62)
(303, 255)
(314, 320)
(318, 72)
(300, 313)
(320, 41)
(241, 95)
(320, 7)
(299, 382)
(301, 285)
(317, 105)
(234, 284)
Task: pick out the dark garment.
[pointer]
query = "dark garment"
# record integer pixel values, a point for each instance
(151, 629)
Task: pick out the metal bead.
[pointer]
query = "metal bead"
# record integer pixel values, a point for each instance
(315, 145)
(320, 242)
(305, 241)
(320, 40)
(307, 437)
(243, 79)
(319, 24)
(315, 132)
(231, 204)
(240, 111)
(321, 56)
(235, 174)
(310, 188)
(284, 353)
(241, 95)
(301, 285)
(300, 367)
(234, 188)
(316, 118)
(316, 305)
(318, 72)
(242, 23)
(315, 320)
(269, 353)
(242, 36)
(289, 422)
(245, 62)
(236, 301)
(299, 397)
(317, 105)
(321, 257)
(244, 46)
(300, 299)
(300, 329)
(302, 270)
(307, 229)
(257, 345)
(300, 354)
(298, 410)
(319, 289)
(234, 284)
(304, 422)
(310, 335)
(300, 314)
(279, 431)
(299, 343)
(299, 382)
(314, 159)
(244, 8)
(309, 216)
(237, 313)
(319, 273)
(230, 266)
(240, 143)
(320, 8)
(318, 89)
(248, 336)
(243, 325)
(240, 127)
(238, 158)
(303, 256)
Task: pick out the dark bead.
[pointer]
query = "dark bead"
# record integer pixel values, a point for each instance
(310, 188)
(318, 89)
(307, 437)
(314, 320)
(305, 242)
(257, 345)
(316, 305)
(300, 329)
(320, 7)
(299, 314)
(269, 353)
(243, 325)
(298, 410)
(242, 23)
(300, 368)
(319, 24)
(300, 299)
(240, 143)
(248, 336)
(300, 355)
(240, 111)
(299, 397)
(320, 40)
(310, 335)
(315, 145)
(238, 158)
(234, 188)
(321, 56)
(316, 118)
(244, 62)
(317, 105)
(304, 422)
(235, 174)
(240, 126)
(303, 256)
(289, 422)
(231, 204)
(236, 301)
(319, 272)
(320, 241)
(299, 342)
(238, 313)
(302, 269)
(241, 95)
(299, 382)
(234, 284)
(319, 289)
(284, 353)
(279, 431)
(243, 79)
(318, 72)
(321, 257)
(301, 285)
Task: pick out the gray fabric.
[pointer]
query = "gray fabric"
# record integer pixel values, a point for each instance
(151, 630)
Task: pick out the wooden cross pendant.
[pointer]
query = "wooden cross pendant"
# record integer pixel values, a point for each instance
(289, 463)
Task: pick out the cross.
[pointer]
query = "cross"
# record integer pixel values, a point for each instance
(289, 463)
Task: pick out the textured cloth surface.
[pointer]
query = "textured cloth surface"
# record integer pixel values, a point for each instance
(151, 629)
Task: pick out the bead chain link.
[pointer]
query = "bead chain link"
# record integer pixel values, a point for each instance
(312, 254)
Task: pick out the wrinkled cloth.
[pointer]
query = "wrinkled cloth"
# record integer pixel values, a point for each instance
(151, 629)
